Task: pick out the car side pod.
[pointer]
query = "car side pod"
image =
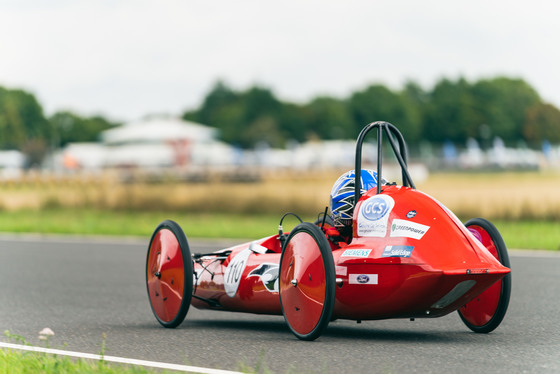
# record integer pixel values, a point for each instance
(307, 281)
(421, 261)
(473, 260)
(169, 270)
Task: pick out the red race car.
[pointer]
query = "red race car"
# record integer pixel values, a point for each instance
(384, 251)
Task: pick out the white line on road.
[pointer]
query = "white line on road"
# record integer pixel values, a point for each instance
(118, 360)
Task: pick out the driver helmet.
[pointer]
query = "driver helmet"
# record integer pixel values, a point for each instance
(342, 195)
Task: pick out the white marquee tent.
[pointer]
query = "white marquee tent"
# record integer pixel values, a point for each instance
(153, 142)
(158, 130)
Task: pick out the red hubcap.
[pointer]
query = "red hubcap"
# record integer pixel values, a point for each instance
(302, 283)
(165, 275)
(481, 310)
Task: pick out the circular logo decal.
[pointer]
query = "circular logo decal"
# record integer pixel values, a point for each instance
(375, 208)
(362, 278)
(411, 214)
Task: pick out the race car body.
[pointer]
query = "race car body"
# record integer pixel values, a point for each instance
(408, 257)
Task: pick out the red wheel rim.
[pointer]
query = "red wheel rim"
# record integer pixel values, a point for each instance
(165, 275)
(302, 283)
(480, 310)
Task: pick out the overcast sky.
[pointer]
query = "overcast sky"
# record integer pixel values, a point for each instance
(129, 58)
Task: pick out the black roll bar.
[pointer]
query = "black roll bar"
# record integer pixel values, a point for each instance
(401, 153)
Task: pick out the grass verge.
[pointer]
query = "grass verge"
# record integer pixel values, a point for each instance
(525, 234)
(122, 223)
(15, 362)
(21, 357)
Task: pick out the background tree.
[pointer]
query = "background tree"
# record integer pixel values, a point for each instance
(451, 113)
(502, 103)
(293, 123)
(222, 109)
(261, 114)
(378, 103)
(23, 125)
(249, 117)
(329, 118)
(452, 110)
(70, 127)
(21, 120)
(542, 123)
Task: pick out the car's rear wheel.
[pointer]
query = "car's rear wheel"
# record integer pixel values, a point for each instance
(169, 274)
(487, 310)
(307, 281)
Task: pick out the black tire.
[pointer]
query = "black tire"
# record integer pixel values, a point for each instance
(174, 272)
(297, 313)
(505, 290)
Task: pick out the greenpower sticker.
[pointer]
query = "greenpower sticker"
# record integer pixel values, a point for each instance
(406, 229)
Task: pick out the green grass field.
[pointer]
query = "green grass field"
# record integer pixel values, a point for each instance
(519, 234)
(525, 207)
(141, 224)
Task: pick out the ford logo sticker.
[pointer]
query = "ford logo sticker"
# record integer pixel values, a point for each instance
(362, 278)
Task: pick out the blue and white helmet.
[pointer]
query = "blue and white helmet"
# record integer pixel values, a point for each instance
(342, 195)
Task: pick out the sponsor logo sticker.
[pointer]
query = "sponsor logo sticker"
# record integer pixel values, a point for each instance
(411, 214)
(341, 270)
(356, 253)
(363, 279)
(406, 229)
(376, 208)
(397, 251)
(374, 216)
(268, 274)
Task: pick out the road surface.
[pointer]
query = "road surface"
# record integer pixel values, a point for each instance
(85, 289)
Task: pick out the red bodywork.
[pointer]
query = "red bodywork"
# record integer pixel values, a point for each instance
(409, 257)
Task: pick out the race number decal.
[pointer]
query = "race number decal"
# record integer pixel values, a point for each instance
(234, 271)
(374, 215)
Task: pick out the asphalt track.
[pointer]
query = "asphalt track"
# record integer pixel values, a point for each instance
(85, 289)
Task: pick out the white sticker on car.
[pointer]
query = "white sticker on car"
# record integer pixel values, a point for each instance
(407, 229)
(234, 271)
(374, 215)
(363, 279)
(356, 253)
(268, 274)
(341, 270)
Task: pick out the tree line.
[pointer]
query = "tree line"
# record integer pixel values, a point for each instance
(24, 126)
(452, 110)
